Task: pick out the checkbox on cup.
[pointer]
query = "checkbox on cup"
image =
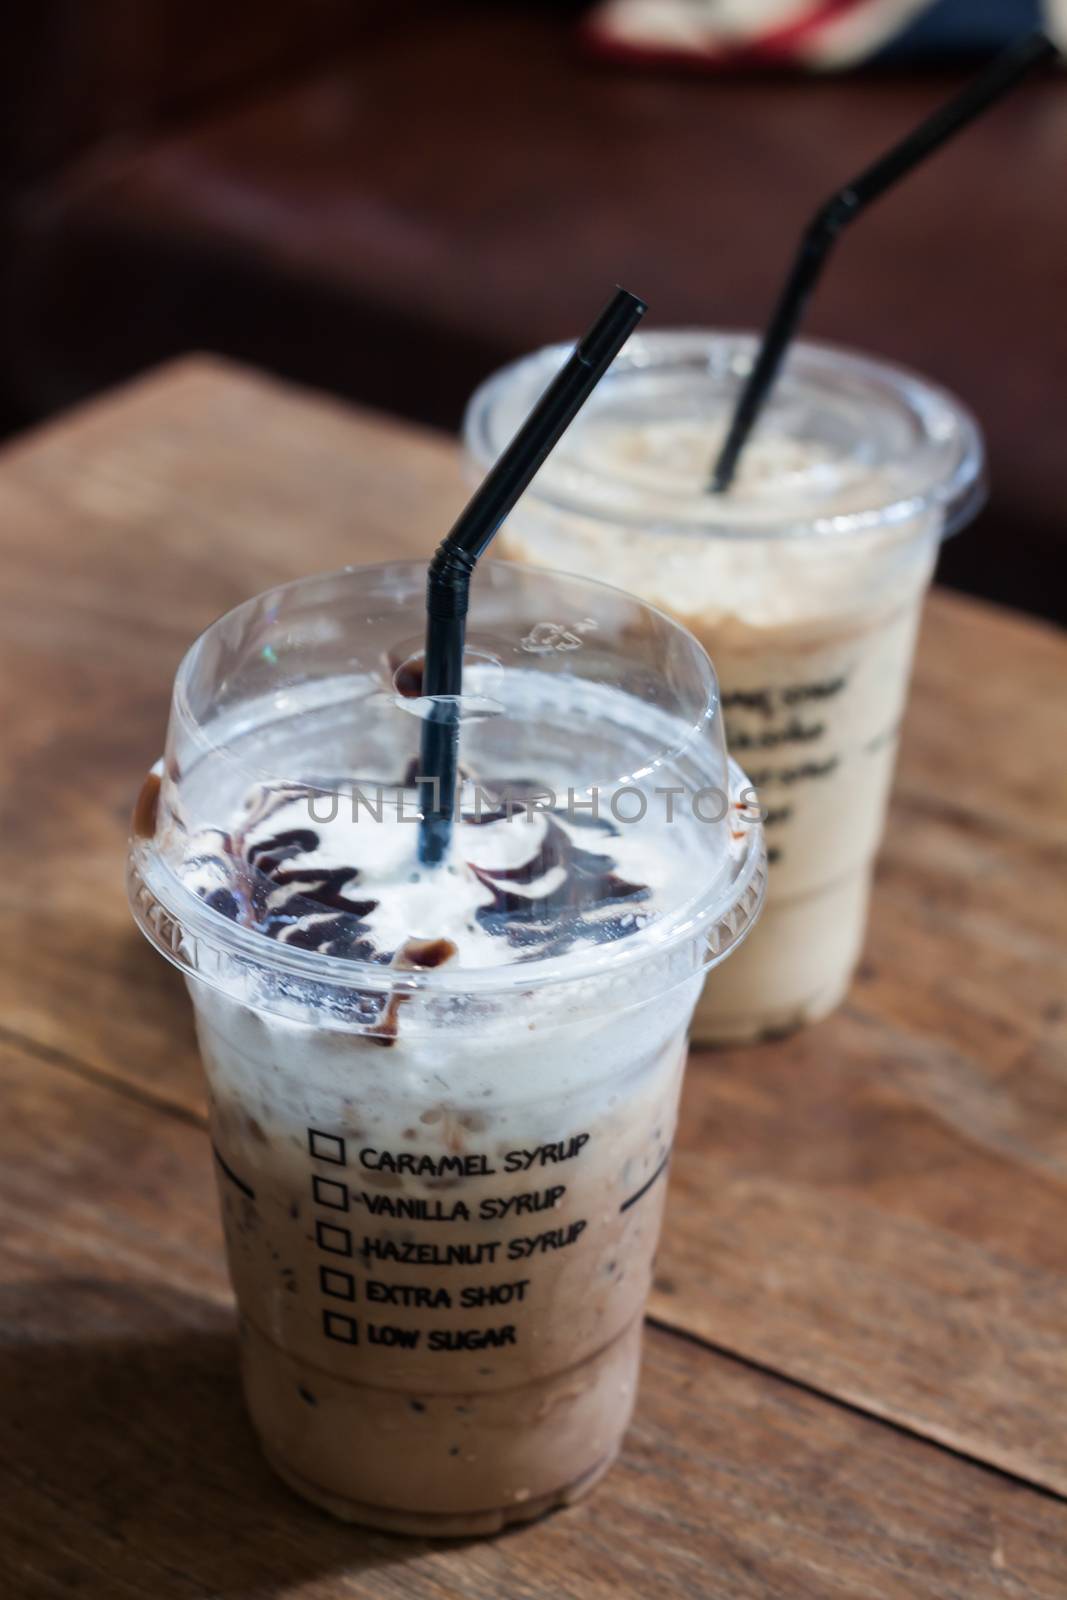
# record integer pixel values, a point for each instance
(326, 1147)
(339, 1285)
(328, 1192)
(337, 1241)
(337, 1326)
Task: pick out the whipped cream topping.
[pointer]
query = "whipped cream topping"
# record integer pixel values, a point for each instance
(522, 883)
(741, 582)
(671, 457)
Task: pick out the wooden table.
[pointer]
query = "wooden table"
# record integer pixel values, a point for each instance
(856, 1373)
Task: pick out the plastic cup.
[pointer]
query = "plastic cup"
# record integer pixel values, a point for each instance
(442, 1186)
(804, 583)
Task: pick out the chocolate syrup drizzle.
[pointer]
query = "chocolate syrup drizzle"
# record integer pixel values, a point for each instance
(321, 909)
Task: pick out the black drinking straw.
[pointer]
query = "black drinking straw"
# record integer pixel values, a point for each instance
(833, 217)
(448, 581)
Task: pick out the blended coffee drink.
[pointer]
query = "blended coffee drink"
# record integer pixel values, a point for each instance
(443, 1099)
(804, 583)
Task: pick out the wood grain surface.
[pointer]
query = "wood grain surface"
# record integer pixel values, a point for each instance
(865, 1218)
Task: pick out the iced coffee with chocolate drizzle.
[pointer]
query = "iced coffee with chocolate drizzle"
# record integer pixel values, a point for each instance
(442, 1100)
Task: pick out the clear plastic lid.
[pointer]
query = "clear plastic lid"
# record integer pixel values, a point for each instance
(600, 822)
(846, 445)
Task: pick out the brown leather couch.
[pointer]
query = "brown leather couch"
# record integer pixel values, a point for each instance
(389, 199)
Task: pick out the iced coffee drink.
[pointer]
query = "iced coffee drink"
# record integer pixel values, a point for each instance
(804, 583)
(443, 1099)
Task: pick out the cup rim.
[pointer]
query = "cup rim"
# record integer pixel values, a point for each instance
(956, 494)
(196, 937)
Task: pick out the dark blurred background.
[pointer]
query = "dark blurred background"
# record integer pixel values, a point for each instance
(387, 200)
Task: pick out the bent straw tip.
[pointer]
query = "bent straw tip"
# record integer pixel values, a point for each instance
(617, 320)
